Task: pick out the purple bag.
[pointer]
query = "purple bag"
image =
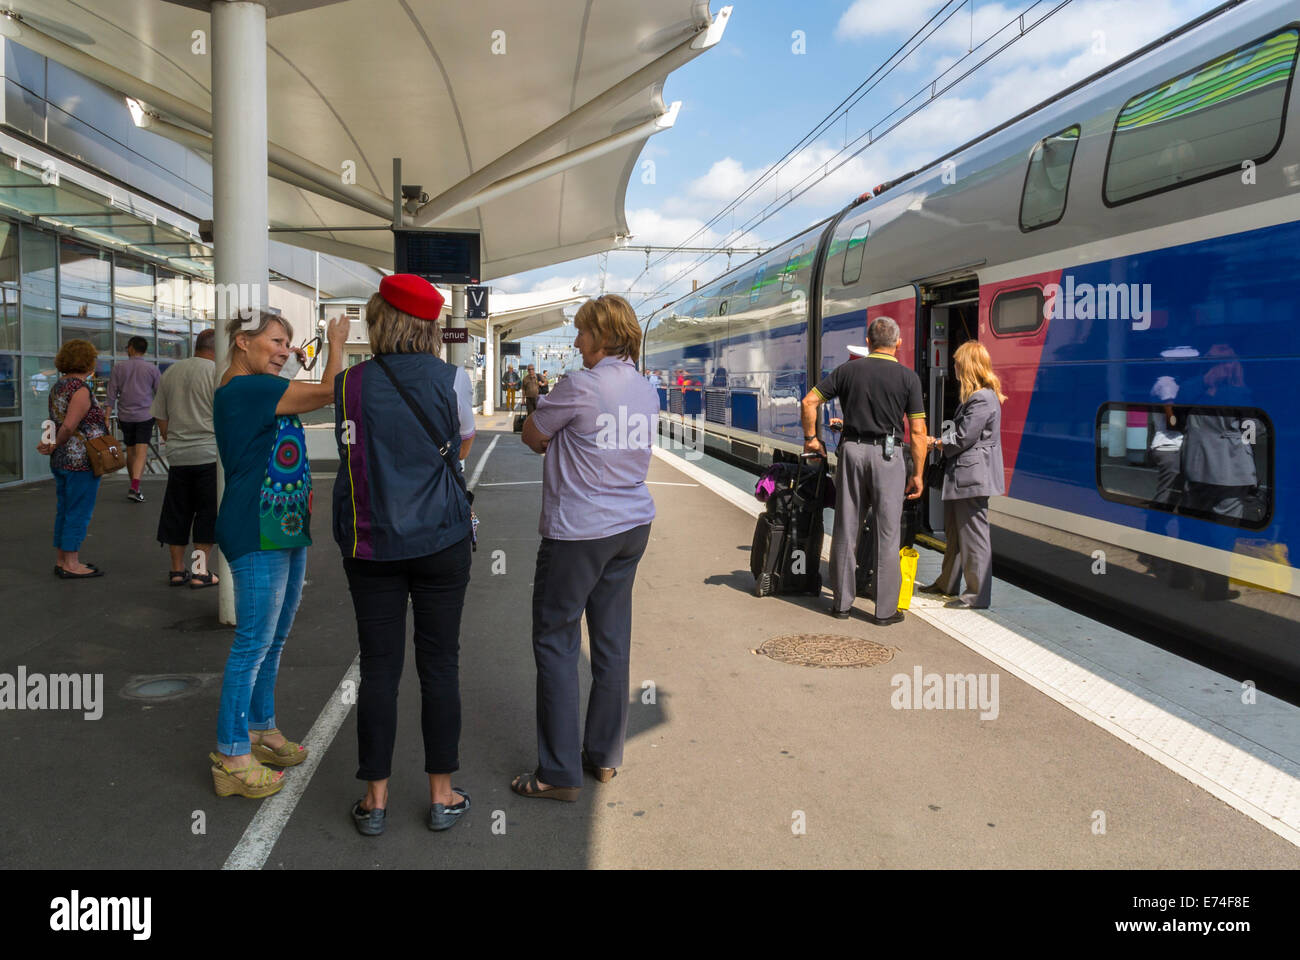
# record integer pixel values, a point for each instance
(766, 485)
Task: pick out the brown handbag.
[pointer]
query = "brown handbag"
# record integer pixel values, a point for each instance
(105, 453)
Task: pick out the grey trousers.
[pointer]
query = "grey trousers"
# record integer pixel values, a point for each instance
(969, 552)
(864, 477)
(573, 577)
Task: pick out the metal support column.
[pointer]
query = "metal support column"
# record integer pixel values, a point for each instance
(456, 352)
(239, 203)
(491, 378)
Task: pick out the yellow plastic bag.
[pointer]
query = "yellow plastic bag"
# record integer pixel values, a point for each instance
(907, 558)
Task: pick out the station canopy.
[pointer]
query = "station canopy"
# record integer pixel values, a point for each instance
(521, 119)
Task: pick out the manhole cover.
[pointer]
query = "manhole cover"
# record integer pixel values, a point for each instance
(168, 687)
(826, 650)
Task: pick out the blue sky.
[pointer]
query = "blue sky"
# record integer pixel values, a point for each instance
(754, 96)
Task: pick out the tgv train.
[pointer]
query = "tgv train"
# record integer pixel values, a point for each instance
(1129, 253)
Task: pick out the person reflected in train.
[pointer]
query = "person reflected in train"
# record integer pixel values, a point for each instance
(595, 525)
(1167, 456)
(1219, 451)
(878, 396)
(972, 472)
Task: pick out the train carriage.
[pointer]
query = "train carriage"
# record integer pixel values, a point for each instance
(1127, 251)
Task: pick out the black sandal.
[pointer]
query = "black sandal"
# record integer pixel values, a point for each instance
(199, 581)
(184, 578)
(529, 788)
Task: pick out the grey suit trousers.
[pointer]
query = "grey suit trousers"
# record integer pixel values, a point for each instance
(573, 577)
(864, 477)
(969, 552)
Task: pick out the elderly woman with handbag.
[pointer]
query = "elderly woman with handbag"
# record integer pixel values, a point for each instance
(972, 472)
(403, 421)
(74, 454)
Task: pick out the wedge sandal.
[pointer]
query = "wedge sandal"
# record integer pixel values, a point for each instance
(257, 781)
(526, 785)
(288, 754)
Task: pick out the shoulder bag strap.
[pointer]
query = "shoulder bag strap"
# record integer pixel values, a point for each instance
(444, 449)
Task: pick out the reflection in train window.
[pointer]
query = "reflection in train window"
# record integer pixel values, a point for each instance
(854, 252)
(1048, 180)
(756, 290)
(1017, 311)
(1214, 463)
(791, 266)
(1203, 123)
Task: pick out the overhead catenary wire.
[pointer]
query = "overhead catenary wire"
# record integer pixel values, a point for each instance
(842, 108)
(872, 138)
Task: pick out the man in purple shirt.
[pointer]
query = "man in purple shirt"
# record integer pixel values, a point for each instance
(131, 387)
(597, 428)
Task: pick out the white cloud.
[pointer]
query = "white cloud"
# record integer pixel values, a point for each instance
(873, 18)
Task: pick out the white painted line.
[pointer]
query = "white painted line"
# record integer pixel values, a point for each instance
(255, 845)
(1123, 685)
(268, 823)
(482, 462)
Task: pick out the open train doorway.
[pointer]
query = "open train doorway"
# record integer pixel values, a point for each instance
(948, 317)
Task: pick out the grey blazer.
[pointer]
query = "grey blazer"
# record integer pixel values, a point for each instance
(972, 463)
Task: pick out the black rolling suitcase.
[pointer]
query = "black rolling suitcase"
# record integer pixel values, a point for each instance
(520, 416)
(866, 552)
(786, 555)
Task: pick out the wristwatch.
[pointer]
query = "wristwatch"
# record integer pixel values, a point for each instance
(810, 439)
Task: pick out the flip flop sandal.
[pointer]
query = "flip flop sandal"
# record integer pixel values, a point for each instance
(257, 781)
(288, 754)
(183, 575)
(529, 788)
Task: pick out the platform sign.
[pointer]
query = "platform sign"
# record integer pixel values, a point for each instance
(511, 349)
(455, 335)
(476, 303)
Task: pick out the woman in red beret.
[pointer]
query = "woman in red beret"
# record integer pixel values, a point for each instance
(404, 420)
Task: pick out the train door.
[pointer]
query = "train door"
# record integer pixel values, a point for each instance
(949, 316)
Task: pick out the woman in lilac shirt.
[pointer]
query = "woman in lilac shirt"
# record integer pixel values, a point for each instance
(597, 428)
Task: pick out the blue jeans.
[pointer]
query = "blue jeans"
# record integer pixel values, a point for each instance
(268, 586)
(75, 492)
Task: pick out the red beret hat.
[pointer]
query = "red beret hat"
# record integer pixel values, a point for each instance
(412, 294)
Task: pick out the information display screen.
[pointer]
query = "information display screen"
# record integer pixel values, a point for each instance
(440, 256)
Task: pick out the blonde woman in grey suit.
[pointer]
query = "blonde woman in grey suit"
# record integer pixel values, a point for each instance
(972, 472)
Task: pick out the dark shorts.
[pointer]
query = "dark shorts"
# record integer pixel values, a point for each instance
(190, 503)
(134, 432)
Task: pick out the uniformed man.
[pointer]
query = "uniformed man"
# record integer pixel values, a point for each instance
(877, 395)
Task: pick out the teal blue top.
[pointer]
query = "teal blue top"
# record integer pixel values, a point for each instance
(267, 501)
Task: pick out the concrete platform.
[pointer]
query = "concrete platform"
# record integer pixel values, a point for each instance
(736, 753)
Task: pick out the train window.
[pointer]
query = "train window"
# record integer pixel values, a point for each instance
(791, 267)
(727, 291)
(1017, 311)
(854, 252)
(1204, 123)
(756, 290)
(1214, 463)
(1047, 181)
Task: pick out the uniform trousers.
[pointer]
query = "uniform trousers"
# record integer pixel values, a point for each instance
(863, 477)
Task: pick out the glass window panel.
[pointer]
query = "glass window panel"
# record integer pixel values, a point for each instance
(38, 376)
(84, 271)
(133, 283)
(134, 323)
(11, 451)
(8, 252)
(10, 334)
(1203, 123)
(791, 267)
(10, 395)
(1215, 463)
(173, 294)
(39, 318)
(854, 252)
(1048, 179)
(87, 321)
(1018, 311)
(173, 338)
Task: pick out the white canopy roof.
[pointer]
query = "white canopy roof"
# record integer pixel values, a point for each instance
(456, 90)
